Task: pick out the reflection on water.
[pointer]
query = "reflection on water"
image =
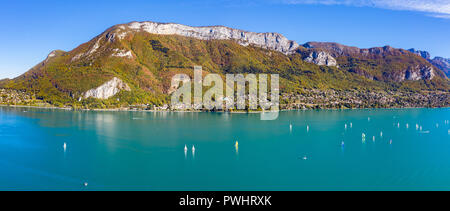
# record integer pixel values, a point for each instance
(302, 150)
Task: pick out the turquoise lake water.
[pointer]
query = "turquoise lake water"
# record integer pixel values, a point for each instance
(145, 150)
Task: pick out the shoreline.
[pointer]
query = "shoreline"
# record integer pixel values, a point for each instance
(200, 111)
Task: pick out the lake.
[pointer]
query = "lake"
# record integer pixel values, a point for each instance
(403, 149)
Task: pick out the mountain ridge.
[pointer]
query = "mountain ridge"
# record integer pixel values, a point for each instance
(269, 40)
(440, 62)
(422, 70)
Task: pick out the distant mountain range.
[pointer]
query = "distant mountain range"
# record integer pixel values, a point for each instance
(441, 63)
(134, 62)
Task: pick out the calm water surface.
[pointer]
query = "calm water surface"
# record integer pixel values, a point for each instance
(145, 150)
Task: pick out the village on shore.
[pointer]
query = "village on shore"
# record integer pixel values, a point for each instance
(313, 99)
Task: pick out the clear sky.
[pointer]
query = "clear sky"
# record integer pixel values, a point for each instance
(30, 29)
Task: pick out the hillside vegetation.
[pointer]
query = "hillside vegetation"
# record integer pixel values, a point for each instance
(147, 62)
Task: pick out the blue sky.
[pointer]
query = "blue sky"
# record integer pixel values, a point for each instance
(30, 29)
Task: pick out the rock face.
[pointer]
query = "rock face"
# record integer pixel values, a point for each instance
(271, 41)
(414, 73)
(336, 50)
(321, 58)
(441, 63)
(51, 55)
(122, 53)
(416, 70)
(108, 89)
(419, 72)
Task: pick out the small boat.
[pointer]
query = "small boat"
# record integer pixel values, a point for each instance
(351, 125)
(345, 126)
(185, 148)
(342, 143)
(305, 158)
(381, 134)
(85, 184)
(237, 144)
(65, 146)
(390, 142)
(307, 128)
(193, 148)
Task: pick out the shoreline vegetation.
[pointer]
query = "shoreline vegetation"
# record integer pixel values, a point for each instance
(200, 111)
(311, 100)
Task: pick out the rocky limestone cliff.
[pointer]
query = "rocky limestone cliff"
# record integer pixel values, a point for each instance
(271, 41)
(336, 50)
(51, 55)
(321, 58)
(441, 63)
(108, 89)
(419, 72)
